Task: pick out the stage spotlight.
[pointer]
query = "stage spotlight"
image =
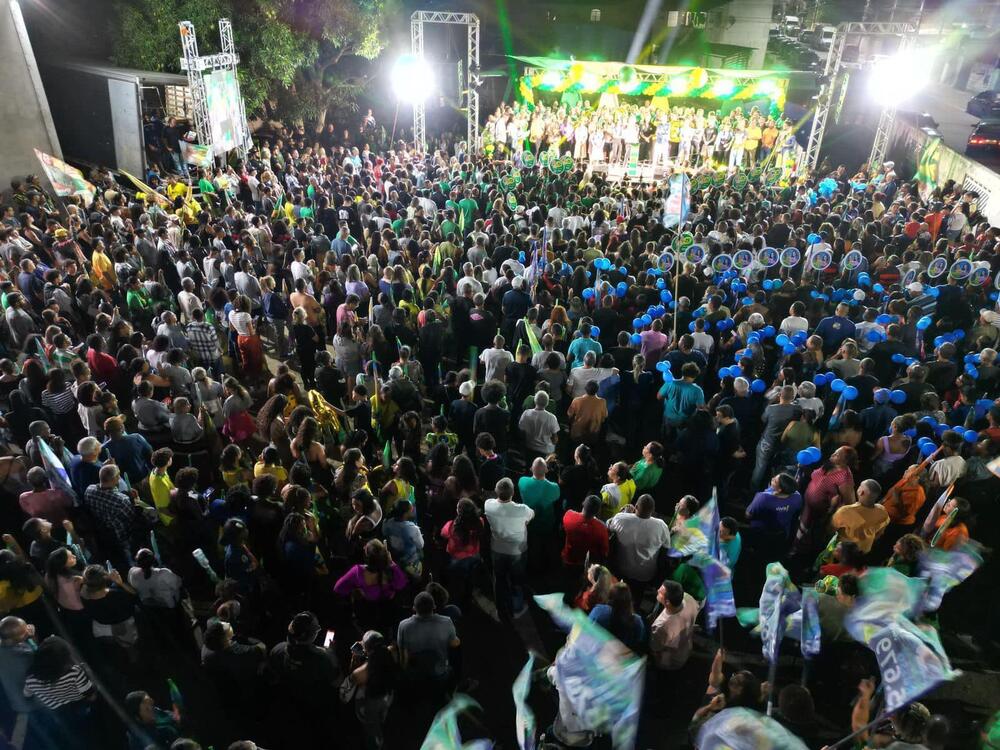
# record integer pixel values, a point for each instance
(766, 88)
(897, 78)
(723, 87)
(589, 82)
(551, 79)
(412, 79)
(679, 85)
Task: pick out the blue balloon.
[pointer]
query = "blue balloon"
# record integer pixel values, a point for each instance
(929, 420)
(520, 257)
(747, 301)
(850, 393)
(781, 339)
(938, 340)
(661, 284)
(898, 358)
(927, 449)
(663, 365)
(623, 270)
(800, 338)
(958, 335)
(588, 293)
(933, 291)
(646, 320)
(776, 284)
(910, 433)
(897, 397)
(924, 323)
(971, 436)
(864, 279)
(921, 442)
(838, 385)
(767, 285)
(665, 297)
(668, 377)
(637, 323)
(803, 458)
(753, 338)
(595, 332)
(820, 379)
(636, 339)
(621, 289)
(768, 332)
(941, 429)
(884, 319)
(814, 239)
(878, 288)
(691, 326)
(758, 386)
(874, 336)
(788, 349)
(815, 452)
(972, 371)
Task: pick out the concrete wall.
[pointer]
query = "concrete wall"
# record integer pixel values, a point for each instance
(744, 23)
(25, 121)
(905, 148)
(129, 149)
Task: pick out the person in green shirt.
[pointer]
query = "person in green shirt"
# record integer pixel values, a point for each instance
(647, 470)
(448, 227)
(468, 209)
(207, 188)
(161, 486)
(542, 496)
(138, 301)
(681, 397)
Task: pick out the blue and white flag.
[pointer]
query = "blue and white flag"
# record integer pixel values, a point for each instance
(597, 675)
(718, 580)
(886, 596)
(524, 717)
(945, 569)
(677, 205)
(778, 599)
(708, 523)
(811, 637)
(443, 733)
(54, 469)
(911, 661)
(745, 729)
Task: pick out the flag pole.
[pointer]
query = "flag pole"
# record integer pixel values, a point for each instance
(857, 733)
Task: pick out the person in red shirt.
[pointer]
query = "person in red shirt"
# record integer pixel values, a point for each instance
(103, 367)
(585, 534)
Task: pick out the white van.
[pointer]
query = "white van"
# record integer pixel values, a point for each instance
(791, 25)
(824, 36)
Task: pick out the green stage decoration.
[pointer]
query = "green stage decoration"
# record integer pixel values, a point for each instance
(549, 75)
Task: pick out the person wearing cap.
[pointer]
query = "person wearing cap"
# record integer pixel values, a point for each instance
(462, 415)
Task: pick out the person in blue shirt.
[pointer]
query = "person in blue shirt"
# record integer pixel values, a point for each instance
(619, 618)
(681, 397)
(835, 328)
(776, 509)
(581, 345)
(730, 542)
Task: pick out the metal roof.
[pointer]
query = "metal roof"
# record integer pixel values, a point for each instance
(99, 67)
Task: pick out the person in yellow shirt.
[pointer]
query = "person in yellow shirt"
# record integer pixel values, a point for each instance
(103, 269)
(161, 486)
(270, 463)
(751, 141)
(864, 521)
(619, 492)
(175, 188)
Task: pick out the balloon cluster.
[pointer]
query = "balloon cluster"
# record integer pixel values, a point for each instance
(808, 456)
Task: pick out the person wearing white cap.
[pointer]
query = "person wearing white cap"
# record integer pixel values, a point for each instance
(462, 415)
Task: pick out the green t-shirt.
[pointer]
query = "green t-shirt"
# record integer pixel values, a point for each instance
(448, 227)
(468, 207)
(680, 399)
(205, 186)
(541, 496)
(646, 475)
(690, 581)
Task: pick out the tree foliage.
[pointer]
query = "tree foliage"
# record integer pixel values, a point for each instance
(291, 51)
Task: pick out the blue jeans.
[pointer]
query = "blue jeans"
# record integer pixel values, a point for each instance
(508, 571)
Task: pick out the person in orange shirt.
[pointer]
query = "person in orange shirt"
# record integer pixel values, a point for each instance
(950, 529)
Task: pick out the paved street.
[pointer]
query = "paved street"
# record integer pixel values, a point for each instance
(947, 105)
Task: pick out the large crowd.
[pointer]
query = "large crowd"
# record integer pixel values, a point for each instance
(305, 433)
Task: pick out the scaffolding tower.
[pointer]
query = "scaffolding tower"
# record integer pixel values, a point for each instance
(196, 66)
(470, 76)
(831, 80)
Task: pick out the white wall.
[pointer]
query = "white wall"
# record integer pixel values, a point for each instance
(25, 121)
(744, 23)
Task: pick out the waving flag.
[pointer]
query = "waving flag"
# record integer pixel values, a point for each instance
(911, 663)
(718, 580)
(443, 734)
(675, 208)
(745, 729)
(811, 636)
(778, 599)
(687, 542)
(66, 180)
(598, 676)
(886, 595)
(529, 333)
(524, 717)
(708, 523)
(54, 469)
(943, 570)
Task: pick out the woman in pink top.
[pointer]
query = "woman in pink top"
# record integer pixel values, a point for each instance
(830, 486)
(463, 536)
(64, 582)
(654, 343)
(372, 586)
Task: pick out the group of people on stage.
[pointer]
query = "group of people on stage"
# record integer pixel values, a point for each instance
(674, 136)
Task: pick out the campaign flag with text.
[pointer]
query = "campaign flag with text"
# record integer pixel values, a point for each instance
(599, 677)
(945, 569)
(885, 596)
(66, 180)
(911, 665)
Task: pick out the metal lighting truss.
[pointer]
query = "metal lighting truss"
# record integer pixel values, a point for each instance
(831, 78)
(196, 65)
(470, 77)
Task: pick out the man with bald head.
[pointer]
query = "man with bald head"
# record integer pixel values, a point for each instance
(640, 536)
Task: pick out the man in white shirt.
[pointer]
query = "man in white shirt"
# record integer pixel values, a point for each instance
(672, 631)
(468, 280)
(509, 527)
(702, 341)
(640, 537)
(301, 270)
(540, 427)
(796, 321)
(496, 359)
(187, 300)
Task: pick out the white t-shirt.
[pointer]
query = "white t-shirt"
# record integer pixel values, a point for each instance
(639, 542)
(793, 324)
(509, 524)
(703, 342)
(496, 361)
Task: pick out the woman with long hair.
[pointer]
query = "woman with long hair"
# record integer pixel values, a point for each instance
(403, 537)
(61, 685)
(64, 582)
(619, 491)
(247, 340)
(237, 423)
(371, 685)
(271, 427)
(20, 587)
(599, 583)
(351, 476)
(150, 726)
(402, 486)
(110, 602)
(462, 537)
(619, 618)
(830, 486)
(372, 585)
(649, 468)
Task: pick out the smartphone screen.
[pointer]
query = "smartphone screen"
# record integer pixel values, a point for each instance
(328, 641)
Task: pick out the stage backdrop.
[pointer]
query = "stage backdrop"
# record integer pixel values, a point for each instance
(579, 77)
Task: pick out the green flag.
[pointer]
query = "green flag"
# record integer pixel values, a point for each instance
(927, 169)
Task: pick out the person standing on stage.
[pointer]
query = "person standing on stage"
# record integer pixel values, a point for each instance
(687, 137)
(675, 135)
(596, 142)
(736, 150)
(630, 136)
(752, 142)
(723, 141)
(710, 134)
(661, 148)
(580, 136)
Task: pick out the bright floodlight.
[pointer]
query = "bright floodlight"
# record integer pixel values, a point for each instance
(412, 79)
(895, 79)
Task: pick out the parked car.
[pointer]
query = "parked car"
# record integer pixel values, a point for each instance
(985, 138)
(984, 104)
(919, 119)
